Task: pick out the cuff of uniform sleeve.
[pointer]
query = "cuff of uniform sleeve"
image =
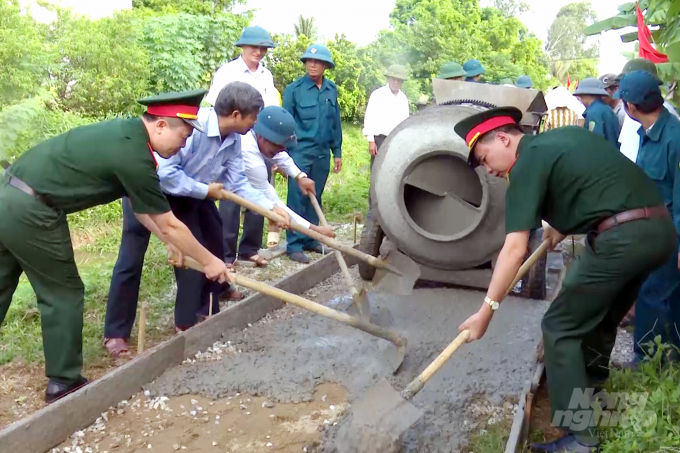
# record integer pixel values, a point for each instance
(200, 191)
(337, 153)
(370, 138)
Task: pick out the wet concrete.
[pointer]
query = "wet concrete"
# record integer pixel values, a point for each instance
(285, 359)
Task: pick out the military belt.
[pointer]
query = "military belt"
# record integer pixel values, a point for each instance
(19, 184)
(633, 214)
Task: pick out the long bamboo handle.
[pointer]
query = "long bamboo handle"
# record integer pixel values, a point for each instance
(338, 255)
(372, 260)
(308, 305)
(417, 384)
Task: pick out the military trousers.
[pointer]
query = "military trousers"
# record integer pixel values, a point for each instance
(579, 327)
(317, 170)
(657, 311)
(35, 239)
(193, 288)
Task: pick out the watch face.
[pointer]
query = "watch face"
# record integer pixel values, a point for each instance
(495, 305)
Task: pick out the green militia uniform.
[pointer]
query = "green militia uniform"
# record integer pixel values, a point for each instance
(85, 167)
(576, 182)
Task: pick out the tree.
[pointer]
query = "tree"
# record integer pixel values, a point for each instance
(306, 27)
(201, 7)
(568, 46)
(511, 8)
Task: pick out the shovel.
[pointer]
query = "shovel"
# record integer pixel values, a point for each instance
(383, 415)
(406, 279)
(392, 357)
(359, 298)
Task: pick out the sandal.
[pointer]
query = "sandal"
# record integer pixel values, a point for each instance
(117, 347)
(258, 260)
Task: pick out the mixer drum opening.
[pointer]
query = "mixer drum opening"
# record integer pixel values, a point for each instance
(442, 196)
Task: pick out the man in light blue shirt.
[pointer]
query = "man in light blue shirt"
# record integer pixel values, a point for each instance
(192, 181)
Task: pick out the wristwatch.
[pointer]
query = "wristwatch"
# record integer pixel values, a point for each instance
(492, 303)
(301, 175)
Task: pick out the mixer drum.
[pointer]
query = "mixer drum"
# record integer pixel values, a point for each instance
(429, 202)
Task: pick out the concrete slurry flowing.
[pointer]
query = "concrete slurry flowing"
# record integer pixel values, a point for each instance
(284, 360)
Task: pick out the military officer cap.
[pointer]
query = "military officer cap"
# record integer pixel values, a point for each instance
(640, 64)
(524, 82)
(473, 127)
(450, 70)
(639, 87)
(318, 52)
(277, 125)
(473, 68)
(396, 71)
(184, 105)
(255, 36)
(592, 87)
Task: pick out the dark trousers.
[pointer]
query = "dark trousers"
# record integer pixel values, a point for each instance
(579, 328)
(193, 288)
(317, 170)
(657, 310)
(253, 228)
(121, 307)
(379, 139)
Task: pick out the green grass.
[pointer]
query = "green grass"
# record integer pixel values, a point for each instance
(96, 235)
(491, 440)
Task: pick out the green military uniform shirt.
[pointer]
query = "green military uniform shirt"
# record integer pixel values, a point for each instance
(601, 120)
(93, 165)
(317, 117)
(559, 177)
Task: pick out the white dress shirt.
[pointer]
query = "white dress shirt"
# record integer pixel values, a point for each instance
(237, 71)
(629, 138)
(384, 112)
(256, 171)
(207, 158)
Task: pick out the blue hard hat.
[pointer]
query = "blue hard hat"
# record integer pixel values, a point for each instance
(255, 36)
(524, 82)
(473, 68)
(591, 86)
(277, 125)
(639, 86)
(318, 52)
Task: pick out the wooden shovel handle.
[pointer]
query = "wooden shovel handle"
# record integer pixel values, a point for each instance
(417, 384)
(308, 305)
(373, 261)
(338, 255)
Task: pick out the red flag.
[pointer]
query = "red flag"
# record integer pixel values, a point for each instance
(568, 81)
(644, 37)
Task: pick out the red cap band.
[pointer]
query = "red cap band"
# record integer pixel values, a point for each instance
(485, 127)
(175, 110)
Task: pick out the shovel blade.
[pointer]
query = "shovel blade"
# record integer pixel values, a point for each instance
(379, 419)
(390, 282)
(362, 305)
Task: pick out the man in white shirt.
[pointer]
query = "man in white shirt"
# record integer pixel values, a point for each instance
(387, 107)
(267, 141)
(248, 68)
(254, 42)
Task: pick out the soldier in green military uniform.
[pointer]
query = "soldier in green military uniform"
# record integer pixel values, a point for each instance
(452, 71)
(599, 117)
(474, 70)
(577, 183)
(85, 167)
(313, 101)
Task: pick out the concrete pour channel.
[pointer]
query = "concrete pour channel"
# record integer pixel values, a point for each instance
(279, 361)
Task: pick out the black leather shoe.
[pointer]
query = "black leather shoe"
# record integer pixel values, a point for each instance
(299, 257)
(59, 388)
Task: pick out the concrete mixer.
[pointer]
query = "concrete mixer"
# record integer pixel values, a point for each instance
(427, 201)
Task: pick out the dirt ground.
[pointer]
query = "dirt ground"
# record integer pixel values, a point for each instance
(196, 424)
